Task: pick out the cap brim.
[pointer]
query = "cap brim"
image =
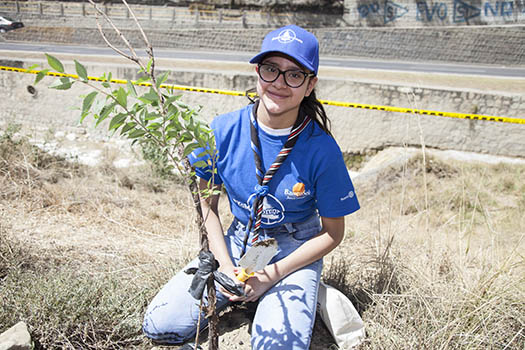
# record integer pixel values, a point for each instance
(259, 57)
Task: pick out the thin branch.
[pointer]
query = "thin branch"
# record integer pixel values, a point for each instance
(149, 47)
(122, 37)
(113, 47)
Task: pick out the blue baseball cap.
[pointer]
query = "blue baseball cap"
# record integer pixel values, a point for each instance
(293, 41)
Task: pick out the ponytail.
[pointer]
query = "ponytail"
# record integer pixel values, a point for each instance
(315, 110)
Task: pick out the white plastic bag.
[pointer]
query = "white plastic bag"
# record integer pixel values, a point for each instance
(340, 317)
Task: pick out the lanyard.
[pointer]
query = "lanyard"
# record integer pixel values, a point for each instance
(263, 178)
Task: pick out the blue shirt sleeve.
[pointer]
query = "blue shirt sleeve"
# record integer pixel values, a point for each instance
(335, 192)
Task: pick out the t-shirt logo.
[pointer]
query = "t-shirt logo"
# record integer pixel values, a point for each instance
(349, 195)
(298, 189)
(273, 210)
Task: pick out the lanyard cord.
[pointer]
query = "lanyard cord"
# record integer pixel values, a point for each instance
(261, 189)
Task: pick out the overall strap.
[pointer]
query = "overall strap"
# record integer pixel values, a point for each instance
(263, 178)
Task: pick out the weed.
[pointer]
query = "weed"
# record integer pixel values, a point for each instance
(354, 161)
(158, 159)
(71, 310)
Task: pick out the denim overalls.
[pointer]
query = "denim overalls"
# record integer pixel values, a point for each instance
(285, 313)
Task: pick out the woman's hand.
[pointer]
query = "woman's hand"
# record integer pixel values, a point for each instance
(230, 271)
(254, 287)
(257, 285)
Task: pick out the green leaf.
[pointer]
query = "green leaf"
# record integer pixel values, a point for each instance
(190, 148)
(81, 70)
(172, 135)
(142, 79)
(183, 105)
(40, 75)
(162, 79)
(197, 132)
(87, 103)
(154, 126)
(106, 85)
(117, 121)
(156, 133)
(136, 134)
(148, 67)
(131, 89)
(105, 112)
(172, 99)
(63, 83)
(83, 116)
(150, 96)
(33, 67)
(152, 116)
(205, 152)
(200, 164)
(55, 63)
(186, 136)
(127, 127)
(122, 97)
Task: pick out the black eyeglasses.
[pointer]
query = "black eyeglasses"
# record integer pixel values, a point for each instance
(294, 78)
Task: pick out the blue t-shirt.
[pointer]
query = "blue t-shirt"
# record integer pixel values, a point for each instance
(312, 178)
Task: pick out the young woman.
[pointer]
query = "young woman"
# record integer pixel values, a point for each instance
(286, 179)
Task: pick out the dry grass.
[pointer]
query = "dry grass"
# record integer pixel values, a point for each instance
(449, 277)
(82, 251)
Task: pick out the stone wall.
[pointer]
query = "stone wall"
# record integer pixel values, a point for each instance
(354, 13)
(472, 45)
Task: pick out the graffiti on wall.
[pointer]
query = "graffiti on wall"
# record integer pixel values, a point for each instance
(388, 9)
(458, 11)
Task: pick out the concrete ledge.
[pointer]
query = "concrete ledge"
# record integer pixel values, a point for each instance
(356, 130)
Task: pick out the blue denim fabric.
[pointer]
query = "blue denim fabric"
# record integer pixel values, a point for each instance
(285, 313)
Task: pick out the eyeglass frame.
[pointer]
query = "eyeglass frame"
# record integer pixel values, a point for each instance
(306, 75)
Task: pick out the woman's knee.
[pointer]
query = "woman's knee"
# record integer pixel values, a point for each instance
(285, 315)
(163, 326)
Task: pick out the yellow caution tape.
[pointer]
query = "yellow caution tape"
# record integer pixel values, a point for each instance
(427, 112)
(326, 102)
(120, 81)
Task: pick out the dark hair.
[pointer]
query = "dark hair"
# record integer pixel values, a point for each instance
(315, 110)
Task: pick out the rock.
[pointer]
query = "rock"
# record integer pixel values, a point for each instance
(16, 338)
(392, 157)
(397, 157)
(71, 136)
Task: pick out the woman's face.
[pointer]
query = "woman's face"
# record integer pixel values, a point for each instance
(279, 104)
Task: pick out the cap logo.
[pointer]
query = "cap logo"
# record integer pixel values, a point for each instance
(287, 36)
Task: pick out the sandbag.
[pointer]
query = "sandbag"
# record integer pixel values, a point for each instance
(340, 317)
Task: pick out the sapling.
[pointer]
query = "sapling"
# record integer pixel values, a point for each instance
(150, 115)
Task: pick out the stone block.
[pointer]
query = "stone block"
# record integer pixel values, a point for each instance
(16, 338)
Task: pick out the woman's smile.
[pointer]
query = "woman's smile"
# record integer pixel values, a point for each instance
(277, 95)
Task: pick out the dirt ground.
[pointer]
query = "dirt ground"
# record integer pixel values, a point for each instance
(125, 220)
